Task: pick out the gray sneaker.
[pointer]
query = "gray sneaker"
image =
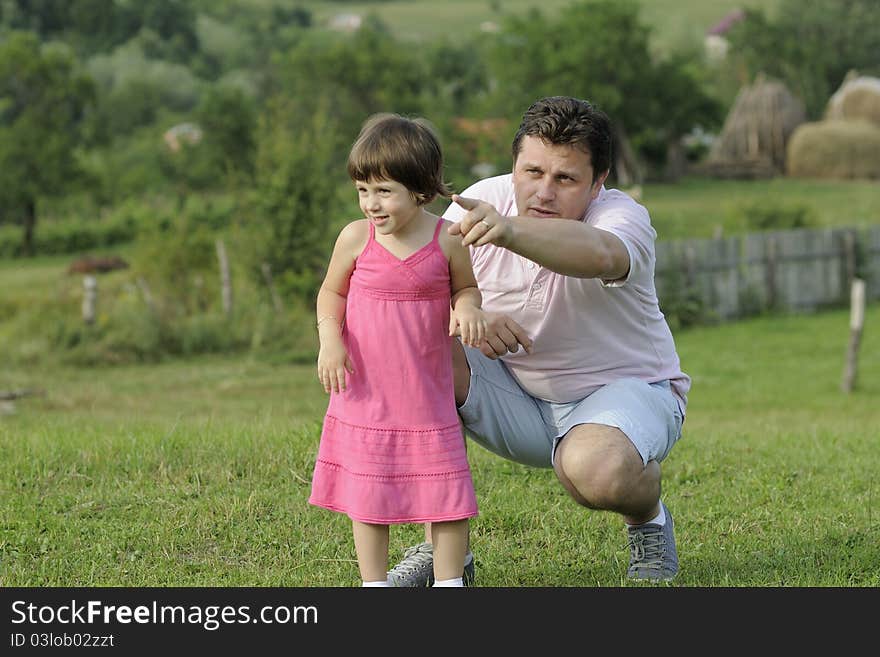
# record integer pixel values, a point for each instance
(416, 569)
(652, 551)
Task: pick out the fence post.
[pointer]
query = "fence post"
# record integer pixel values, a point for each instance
(270, 283)
(690, 262)
(771, 259)
(225, 277)
(145, 292)
(90, 298)
(856, 322)
(849, 256)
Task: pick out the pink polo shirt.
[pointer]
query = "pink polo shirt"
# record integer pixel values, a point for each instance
(586, 332)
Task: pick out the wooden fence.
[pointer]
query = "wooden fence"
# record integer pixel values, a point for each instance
(797, 270)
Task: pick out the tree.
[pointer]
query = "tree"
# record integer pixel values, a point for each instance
(296, 198)
(810, 45)
(351, 77)
(43, 101)
(218, 150)
(169, 30)
(599, 51)
(228, 118)
(89, 25)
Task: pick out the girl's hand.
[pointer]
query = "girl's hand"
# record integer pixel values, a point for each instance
(470, 323)
(333, 363)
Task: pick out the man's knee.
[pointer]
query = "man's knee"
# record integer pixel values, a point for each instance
(599, 462)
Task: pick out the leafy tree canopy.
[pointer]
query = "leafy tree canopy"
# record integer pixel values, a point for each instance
(99, 25)
(599, 51)
(811, 45)
(43, 100)
(351, 76)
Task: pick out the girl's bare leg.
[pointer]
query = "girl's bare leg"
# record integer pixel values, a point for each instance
(450, 541)
(371, 545)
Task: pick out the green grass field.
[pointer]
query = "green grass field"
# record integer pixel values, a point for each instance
(698, 207)
(197, 474)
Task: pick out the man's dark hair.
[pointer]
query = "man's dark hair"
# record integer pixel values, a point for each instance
(566, 120)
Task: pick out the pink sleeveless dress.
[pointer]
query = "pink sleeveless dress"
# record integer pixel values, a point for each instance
(391, 448)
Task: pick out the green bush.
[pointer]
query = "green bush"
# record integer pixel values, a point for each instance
(120, 224)
(207, 333)
(683, 308)
(130, 333)
(768, 214)
(178, 262)
(72, 235)
(129, 167)
(681, 302)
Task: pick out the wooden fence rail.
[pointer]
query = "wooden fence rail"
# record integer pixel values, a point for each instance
(797, 270)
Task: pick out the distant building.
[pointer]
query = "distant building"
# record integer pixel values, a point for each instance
(188, 133)
(715, 43)
(346, 22)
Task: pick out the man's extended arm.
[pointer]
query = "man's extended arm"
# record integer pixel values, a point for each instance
(567, 247)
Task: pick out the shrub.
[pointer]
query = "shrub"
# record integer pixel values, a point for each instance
(769, 214)
(681, 303)
(178, 261)
(69, 235)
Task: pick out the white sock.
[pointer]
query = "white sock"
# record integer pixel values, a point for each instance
(376, 585)
(449, 583)
(660, 519)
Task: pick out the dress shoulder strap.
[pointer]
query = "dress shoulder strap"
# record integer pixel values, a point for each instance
(370, 239)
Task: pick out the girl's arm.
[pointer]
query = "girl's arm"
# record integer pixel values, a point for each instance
(466, 318)
(333, 359)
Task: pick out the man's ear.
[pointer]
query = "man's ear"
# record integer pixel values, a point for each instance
(597, 185)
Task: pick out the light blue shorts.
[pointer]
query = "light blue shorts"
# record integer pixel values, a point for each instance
(502, 417)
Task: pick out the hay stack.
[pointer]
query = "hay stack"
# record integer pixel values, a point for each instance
(753, 141)
(835, 149)
(847, 143)
(857, 99)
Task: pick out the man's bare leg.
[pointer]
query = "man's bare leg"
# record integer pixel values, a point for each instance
(601, 469)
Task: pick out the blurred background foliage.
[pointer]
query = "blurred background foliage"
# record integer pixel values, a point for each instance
(155, 128)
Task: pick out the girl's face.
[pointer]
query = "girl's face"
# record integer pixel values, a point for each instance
(388, 205)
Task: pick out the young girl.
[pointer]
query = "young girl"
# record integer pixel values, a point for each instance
(397, 288)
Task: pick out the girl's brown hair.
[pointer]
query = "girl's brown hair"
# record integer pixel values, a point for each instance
(393, 147)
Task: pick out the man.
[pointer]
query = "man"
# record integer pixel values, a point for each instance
(596, 392)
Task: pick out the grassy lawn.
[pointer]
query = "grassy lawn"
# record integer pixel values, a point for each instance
(696, 207)
(197, 473)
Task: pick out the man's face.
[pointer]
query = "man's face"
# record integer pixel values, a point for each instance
(553, 180)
